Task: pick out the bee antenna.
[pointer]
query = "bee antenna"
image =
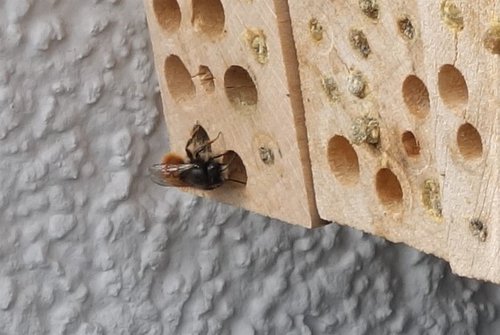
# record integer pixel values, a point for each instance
(201, 148)
(215, 139)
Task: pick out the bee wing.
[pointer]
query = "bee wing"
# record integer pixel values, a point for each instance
(169, 174)
(199, 143)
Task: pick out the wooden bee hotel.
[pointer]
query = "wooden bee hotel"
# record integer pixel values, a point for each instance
(381, 115)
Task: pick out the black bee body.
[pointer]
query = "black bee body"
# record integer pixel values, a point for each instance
(201, 170)
(205, 175)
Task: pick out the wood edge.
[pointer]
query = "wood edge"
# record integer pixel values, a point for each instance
(289, 54)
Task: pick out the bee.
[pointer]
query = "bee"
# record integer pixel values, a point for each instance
(202, 169)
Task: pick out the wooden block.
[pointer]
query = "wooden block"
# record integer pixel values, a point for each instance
(228, 65)
(402, 112)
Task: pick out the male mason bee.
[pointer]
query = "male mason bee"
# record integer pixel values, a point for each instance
(202, 169)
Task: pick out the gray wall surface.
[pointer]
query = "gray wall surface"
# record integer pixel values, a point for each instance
(88, 245)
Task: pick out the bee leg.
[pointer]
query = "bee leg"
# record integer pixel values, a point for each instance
(204, 146)
(188, 152)
(226, 166)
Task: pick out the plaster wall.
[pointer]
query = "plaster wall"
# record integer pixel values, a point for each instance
(88, 245)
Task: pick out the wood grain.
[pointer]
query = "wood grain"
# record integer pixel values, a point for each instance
(420, 70)
(381, 115)
(250, 47)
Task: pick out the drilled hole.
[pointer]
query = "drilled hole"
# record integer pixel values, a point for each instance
(452, 87)
(206, 78)
(168, 14)
(416, 96)
(388, 188)
(343, 160)
(208, 17)
(240, 88)
(469, 141)
(179, 82)
(410, 144)
(237, 173)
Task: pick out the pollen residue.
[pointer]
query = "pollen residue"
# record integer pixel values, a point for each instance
(431, 198)
(256, 40)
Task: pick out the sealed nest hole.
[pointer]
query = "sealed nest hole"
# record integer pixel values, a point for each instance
(492, 39)
(406, 28)
(359, 42)
(370, 8)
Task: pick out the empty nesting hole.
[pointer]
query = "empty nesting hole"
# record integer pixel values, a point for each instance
(388, 188)
(237, 173)
(469, 141)
(168, 14)
(208, 17)
(452, 87)
(179, 82)
(410, 144)
(416, 96)
(240, 88)
(343, 160)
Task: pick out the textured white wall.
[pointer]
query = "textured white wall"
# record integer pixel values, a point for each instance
(88, 245)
